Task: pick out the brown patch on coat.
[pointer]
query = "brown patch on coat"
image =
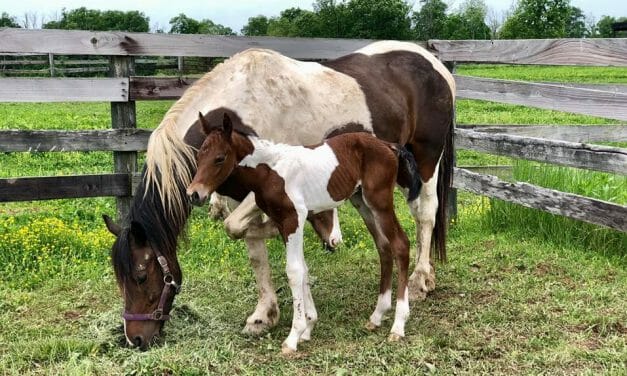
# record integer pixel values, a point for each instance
(416, 108)
(361, 156)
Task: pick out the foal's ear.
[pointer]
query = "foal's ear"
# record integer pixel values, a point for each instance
(138, 233)
(113, 227)
(205, 124)
(227, 126)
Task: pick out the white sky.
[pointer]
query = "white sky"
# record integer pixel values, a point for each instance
(235, 13)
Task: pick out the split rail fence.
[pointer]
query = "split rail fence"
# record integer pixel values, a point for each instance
(560, 145)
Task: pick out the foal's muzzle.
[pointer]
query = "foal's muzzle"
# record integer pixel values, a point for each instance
(196, 196)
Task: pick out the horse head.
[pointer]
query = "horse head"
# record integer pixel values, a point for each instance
(148, 282)
(216, 160)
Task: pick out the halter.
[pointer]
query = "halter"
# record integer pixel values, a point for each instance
(168, 280)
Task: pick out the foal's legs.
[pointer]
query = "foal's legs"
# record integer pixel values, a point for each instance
(384, 301)
(424, 209)
(296, 270)
(381, 203)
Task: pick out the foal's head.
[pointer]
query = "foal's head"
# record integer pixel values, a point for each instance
(216, 160)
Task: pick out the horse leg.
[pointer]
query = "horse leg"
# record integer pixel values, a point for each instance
(245, 216)
(296, 270)
(424, 209)
(266, 314)
(384, 300)
(310, 308)
(388, 223)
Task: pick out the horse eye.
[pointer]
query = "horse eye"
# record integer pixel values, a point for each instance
(220, 159)
(142, 278)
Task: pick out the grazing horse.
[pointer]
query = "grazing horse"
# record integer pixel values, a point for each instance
(291, 181)
(396, 90)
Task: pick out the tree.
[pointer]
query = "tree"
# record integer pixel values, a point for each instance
(378, 19)
(92, 19)
(8, 21)
(576, 25)
(468, 22)
(256, 26)
(604, 27)
(182, 24)
(538, 19)
(430, 20)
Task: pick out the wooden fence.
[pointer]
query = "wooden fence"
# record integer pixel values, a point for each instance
(123, 88)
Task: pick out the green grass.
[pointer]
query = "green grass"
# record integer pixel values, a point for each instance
(523, 293)
(617, 75)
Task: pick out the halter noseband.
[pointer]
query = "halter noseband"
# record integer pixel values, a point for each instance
(168, 280)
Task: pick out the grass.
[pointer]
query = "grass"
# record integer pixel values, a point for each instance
(523, 292)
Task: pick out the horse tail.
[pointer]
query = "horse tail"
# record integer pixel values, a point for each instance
(408, 169)
(445, 176)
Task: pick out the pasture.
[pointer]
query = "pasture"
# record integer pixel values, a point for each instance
(523, 292)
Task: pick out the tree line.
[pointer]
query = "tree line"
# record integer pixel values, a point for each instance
(369, 19)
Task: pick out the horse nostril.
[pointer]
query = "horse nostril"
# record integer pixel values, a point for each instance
(138, 341)
(195, 197)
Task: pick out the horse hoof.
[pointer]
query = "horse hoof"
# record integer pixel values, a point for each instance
(416, 294)
(286, 350)
(393, 337)
(371, 327)
(255, 329)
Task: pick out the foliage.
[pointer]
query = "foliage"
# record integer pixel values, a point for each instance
(468, 22)
(7, 21)
(257, 25)
(533, 19)
(93, 19)
(430, 21)
(182, 24)
(604, 27)
(388, 19)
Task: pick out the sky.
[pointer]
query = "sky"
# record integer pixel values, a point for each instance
(235, 13)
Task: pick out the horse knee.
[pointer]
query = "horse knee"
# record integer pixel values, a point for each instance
(234, 228)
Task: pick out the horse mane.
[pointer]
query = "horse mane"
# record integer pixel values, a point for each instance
(162, 228)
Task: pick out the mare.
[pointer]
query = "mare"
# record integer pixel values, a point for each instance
(396, 90)
(291, 181)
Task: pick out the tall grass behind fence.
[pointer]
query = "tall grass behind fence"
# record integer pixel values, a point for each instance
(502, 215)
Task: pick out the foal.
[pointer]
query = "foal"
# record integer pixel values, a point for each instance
(291, 181)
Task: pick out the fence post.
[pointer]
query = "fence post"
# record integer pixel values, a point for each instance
(180, 64)
(123, 115)
(51, 63)
(452, 196)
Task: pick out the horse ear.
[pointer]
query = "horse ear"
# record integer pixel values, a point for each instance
(227, 126)
(205, 124)
(113, 227)
(138, 233)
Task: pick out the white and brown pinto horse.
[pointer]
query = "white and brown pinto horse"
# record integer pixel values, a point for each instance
(290, 181)
(396, 90)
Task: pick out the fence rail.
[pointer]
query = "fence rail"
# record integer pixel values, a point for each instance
(124, 88)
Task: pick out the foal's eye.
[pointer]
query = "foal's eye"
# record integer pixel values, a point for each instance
(142, 278)
(220, 159)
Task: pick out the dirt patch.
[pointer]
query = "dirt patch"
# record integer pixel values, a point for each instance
(72, 315)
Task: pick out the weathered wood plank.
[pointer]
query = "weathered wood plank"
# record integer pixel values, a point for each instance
(593, 52)
(571, 133)
(148, 88)
(593, 157)
(47, 141)
(612, 88)
(55, 187)
(123, 115)
(552, 97)
(555, 202)
(63, 89)
(74, 42)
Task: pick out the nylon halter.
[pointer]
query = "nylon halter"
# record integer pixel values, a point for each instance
(169, 283)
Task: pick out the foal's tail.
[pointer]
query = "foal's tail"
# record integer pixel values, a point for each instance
(408, 169)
